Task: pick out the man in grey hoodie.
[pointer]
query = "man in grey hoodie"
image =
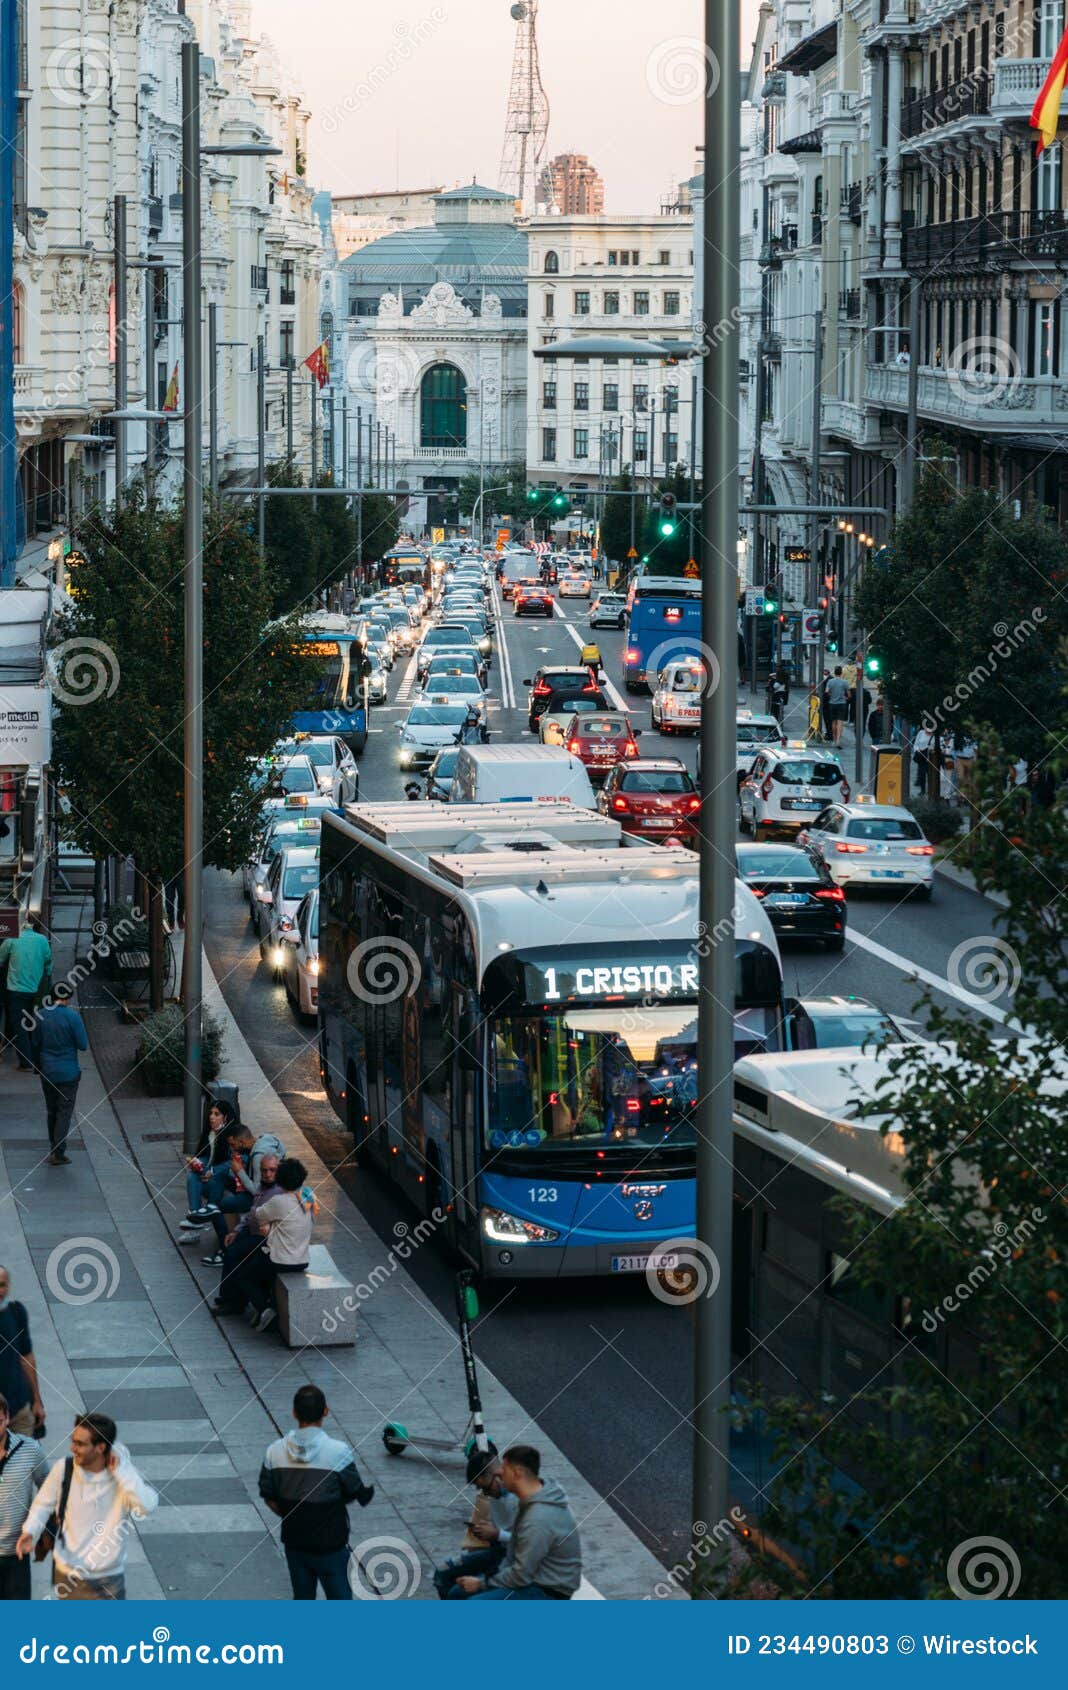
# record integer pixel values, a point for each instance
(544, 1558)
(309, 1479)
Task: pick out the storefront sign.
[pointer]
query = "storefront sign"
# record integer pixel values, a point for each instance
(25, 726)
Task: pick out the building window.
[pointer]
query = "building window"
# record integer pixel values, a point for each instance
(634, 258)
(17, 323)
(613, 259)
(582, 304)
(326, 332)
(624, 258)
(582, 396)
(548, 395)
(550, 305)
(641, 396)
(548, 445)
(285, 343)
(611, 396)
(672, 304)
(552, 264)
(443, 408)
(641, 445)
(641, 303)
(1049, 179)
(611, 303)
(288, 293)
(1050, 27)
(582, 443)
(671, 450)
(665, 256)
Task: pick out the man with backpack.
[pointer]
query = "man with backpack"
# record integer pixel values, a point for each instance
(23, 1470)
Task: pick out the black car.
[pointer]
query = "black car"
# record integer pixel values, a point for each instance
(796, 890)
(553, 685)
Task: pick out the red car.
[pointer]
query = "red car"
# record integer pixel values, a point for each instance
(532, 598)
(655, 797)
(600, 740)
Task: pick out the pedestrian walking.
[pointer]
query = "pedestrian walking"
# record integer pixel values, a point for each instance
(778, 694)
(23, 1470)
(57, 1037)
(837, 703)
(29, 970)
(94, 1494)
(491, 1525)
(543, 1560)
(309, 1479)
(18, 1364)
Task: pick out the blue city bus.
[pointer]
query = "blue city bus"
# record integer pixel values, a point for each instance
(663, 624)
(336, 702)
(496, 1044)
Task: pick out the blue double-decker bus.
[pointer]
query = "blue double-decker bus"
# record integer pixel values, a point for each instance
(663, 625)
(336, 701)
(508, 1025)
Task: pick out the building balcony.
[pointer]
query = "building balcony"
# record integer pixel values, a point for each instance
(998, 237)
(446, 454)
(1016, 86)
(258, 278)
(155, 214)
(287, 296)
(999, 402)
(28, 384)
(970, 97)
(849, 304)
(853, 201)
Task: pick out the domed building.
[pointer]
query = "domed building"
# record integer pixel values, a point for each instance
(433, 343)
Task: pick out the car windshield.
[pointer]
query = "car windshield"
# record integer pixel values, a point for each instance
(292, 833)
(313, 924)
(595, 1077)
(297, 777)
(687, 680)
(561, 681)
(856, 1027)
(657, 780)
(758, 733)
(603, 727)
(797, 772)
(445, 636)
(883, 827)
(297, 881)
(457, 683)
(320, 756)
(787, 864)
(444, 764)
(437, 716)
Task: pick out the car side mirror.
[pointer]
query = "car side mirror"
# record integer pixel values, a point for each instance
(636, 733)
(528, 682)
(601, 676)
(291, 936)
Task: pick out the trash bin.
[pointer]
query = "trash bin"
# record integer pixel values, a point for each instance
(889, 779)
(221, 1091)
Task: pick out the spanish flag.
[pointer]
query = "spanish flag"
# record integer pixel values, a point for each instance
(318, 362)
(1046, 114)
(170, 401)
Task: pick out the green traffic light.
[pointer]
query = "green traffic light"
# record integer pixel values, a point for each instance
(770, 607)
(667, 529)
(873, 666)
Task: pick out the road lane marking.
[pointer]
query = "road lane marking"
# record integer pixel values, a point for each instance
(404, 690)
(607, 685)
(937, 981)
(507, 689)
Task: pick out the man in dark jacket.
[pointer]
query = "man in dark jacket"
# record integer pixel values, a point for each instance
(57, 1037)
(309, 1479)
(544, 1557)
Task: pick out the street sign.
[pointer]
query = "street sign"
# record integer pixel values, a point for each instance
(632, 552)
(690, 569)
(437, 536)
(810, 627)
(25, 726)
(754, 601)
(798, 554)
(503, 537)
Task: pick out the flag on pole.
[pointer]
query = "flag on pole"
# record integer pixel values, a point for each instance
(170, 402)
(1047, 110)
(319, 363)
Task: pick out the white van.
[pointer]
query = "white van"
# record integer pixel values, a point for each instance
(538, 774)
(517, 566)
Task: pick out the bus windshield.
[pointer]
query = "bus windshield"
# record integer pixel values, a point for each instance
(609, 1076)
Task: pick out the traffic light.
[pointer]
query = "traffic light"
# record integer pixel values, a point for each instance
(873, 665)
(668, 515)
(532, 495)
(559, 500)
(771, 602)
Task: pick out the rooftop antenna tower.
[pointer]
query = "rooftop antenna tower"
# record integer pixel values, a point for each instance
(527, 126)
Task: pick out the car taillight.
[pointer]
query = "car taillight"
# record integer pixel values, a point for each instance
(631, 748)
(620, 804)
(845, 849)
(920, 850)
(631, 656)
(758, 891)
(765, 790)
(693, 803)
(834, 893)
(573, 747)
(845, 792)
(542, 689)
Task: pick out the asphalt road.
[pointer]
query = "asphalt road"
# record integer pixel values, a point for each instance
(602, 1366)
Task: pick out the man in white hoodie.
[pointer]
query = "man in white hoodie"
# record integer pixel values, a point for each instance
(104, 1492)
(309, 1479)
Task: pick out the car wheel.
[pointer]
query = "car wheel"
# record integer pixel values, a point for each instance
(924, 894)
(621, 624)
(760, 833)
(837, 943)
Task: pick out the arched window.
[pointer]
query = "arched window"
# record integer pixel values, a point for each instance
(18, 322)
(443, 408)
(326, 331)
(552, 264)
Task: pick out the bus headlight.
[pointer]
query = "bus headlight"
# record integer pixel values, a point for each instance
(509, 1229)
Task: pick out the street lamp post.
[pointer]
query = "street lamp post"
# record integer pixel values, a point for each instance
(119, 232)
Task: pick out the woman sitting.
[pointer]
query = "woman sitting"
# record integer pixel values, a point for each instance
(286, 1218)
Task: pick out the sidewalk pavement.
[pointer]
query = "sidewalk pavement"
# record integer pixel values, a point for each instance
(120, 1323)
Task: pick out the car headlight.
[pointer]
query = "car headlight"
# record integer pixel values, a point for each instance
(278, 956)
(315, 967)
(503, 1228)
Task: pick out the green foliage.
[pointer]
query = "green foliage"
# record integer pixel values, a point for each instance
(291, 541)
(120, 758)
(965, 1435)
(669, 554)
(505, 494)
(969, 613)
(161, 1053)
(940, 821)
(615, 524)
(381, 525)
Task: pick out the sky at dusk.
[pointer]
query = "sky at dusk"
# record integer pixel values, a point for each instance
(414, 92)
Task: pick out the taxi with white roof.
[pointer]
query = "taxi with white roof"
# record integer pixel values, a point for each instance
(788, 786)
(751, 734)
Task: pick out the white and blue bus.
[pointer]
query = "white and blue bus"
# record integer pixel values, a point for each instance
(663, 625)
(336, 700)
(508, 1024)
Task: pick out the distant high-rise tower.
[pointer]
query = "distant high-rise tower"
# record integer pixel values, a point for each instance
(571, 184)
(527, 127)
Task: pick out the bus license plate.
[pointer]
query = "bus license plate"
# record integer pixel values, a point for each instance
(640, 1264)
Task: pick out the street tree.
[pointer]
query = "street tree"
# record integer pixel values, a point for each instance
(291, 540)
(117, 667)
(946, 1469)
(616, 522)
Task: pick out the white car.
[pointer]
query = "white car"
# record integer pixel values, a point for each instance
(457, 689)
(573, 586)
(452, 663)
(869, 844)
(787, 787)
(294, 873)
(281, 831)
(433, 721)
(751, 734)
(608, 610)
(377, 684)
(332, 761)
(300, 963)
(676, 706)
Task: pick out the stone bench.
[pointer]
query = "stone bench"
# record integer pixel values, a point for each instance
(316, 1308)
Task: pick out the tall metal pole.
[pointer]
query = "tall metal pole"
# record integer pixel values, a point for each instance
(193, 1093)
(719, 565)
(119, 222)
(693, 438)
(332, 466)
(481, 464)
(378, 453)
(815, 475)
(261, 443)
(213, 400)
(344, 443)
(359, 490)
(150, 366)
(289, 410)
(314, 440)
(908, 477)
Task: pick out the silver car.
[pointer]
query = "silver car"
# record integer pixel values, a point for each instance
(300, 964)
(869, 844)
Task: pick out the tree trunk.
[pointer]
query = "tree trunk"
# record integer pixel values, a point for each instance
(99, 872)
(155, 941)
(934, 768)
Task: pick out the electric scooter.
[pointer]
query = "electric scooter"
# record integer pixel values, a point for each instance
(397, 1438)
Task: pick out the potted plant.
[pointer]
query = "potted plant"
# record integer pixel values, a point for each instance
(161, 1052)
